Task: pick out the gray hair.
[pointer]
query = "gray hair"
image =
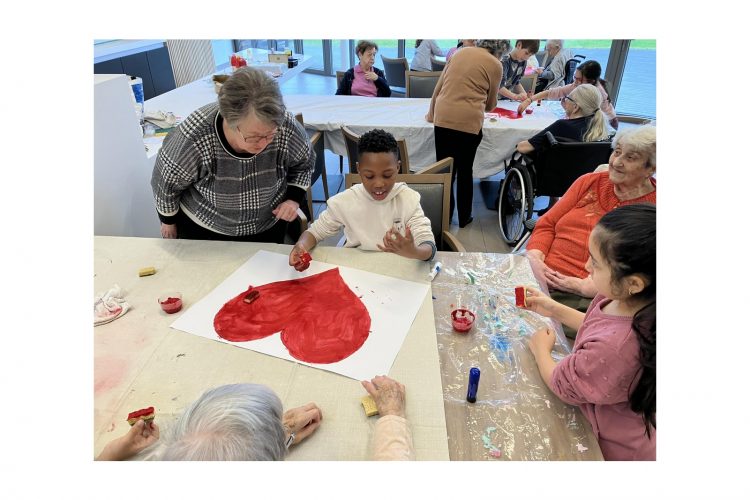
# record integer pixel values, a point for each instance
(497, 48)
(230, 422)
(589, 100)
(555, 43)
(641, 139)
(251, 91)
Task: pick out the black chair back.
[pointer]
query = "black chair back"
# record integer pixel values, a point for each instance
(395, 72)
(562, 162)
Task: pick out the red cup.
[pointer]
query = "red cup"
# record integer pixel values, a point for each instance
(462, 319)
(171, 302)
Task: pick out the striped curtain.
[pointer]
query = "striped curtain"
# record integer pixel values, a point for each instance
(191, 59)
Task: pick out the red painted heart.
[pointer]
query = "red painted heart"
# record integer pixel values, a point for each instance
(320, 319)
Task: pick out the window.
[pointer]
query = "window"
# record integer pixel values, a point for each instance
(444, 45)
(638, 88)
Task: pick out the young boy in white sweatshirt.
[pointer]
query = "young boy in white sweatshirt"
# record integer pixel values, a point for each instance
(378, 214)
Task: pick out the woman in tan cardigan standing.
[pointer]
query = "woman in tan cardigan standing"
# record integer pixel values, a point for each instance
(466, 89)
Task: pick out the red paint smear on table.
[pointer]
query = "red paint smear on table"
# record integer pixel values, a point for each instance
(507, 113)
(320, 319)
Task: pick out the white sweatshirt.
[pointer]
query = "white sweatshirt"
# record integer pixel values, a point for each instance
(366, 220)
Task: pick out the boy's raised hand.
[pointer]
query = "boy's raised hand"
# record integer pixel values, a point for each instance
(394, 242)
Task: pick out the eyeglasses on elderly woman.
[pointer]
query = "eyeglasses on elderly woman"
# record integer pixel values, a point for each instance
(562, 99)
(255, 139)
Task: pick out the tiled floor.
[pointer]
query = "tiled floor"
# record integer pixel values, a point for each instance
(482, 235)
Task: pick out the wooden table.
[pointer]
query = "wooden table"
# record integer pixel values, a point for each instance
(140, 361)
(515, 417)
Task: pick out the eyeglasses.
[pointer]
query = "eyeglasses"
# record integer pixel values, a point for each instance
(568, 98)
(255, 139)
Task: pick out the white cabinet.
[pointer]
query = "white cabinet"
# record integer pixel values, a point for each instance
(123, 202)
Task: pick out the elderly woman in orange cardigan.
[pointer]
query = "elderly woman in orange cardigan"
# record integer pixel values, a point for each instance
(558, 244)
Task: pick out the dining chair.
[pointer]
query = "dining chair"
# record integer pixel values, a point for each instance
(444, 166)
(395, 72)
(316, 139)
(351, 141)
(421, 83)
(434, 191)
(528, 82)
(437, 64)
(339, 77)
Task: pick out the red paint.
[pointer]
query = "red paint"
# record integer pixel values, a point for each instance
(304, 262)
(507, 113)
(463, 320)
(141, 413)
(171, 305)
(521, 296)
(320, 319)
(529, 110)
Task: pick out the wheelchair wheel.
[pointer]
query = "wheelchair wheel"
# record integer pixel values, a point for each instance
(515, 204)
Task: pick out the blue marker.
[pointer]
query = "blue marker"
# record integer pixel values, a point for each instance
(471, 396)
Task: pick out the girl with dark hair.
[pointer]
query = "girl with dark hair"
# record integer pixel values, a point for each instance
(611, 373)
(588, 72)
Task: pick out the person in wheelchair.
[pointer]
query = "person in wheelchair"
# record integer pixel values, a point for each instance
(583, 122)
(558, 243)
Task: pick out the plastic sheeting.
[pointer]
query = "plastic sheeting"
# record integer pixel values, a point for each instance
(515, 417)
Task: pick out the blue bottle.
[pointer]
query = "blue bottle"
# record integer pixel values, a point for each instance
(471, 395)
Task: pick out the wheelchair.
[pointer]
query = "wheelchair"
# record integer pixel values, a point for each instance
(550, 172)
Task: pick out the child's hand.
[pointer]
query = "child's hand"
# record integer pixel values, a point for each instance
(295, 256)
(542, 342)
(539, 302)
(394, 242)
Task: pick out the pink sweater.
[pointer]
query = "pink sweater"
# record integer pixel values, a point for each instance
(598, 377)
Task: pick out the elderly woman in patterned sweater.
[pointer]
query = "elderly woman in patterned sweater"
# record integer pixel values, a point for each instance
(236, 169)
(558, 245)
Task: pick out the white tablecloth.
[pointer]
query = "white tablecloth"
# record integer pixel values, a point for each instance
(404, 118)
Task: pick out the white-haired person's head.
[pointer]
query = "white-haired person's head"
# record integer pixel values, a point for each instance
(230, 422)
(589, 100)
(641, 140)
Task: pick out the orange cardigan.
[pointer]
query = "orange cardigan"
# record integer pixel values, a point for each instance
(562, 234)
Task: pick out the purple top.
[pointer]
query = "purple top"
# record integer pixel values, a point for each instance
(361, 85)
(598, 377)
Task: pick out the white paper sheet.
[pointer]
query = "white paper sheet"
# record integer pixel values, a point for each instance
(392, 303)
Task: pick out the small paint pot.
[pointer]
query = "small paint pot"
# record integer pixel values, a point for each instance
(462, 320)
(529, 110)
(171, 302)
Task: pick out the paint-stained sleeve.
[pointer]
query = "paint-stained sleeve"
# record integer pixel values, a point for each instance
(392, 439)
